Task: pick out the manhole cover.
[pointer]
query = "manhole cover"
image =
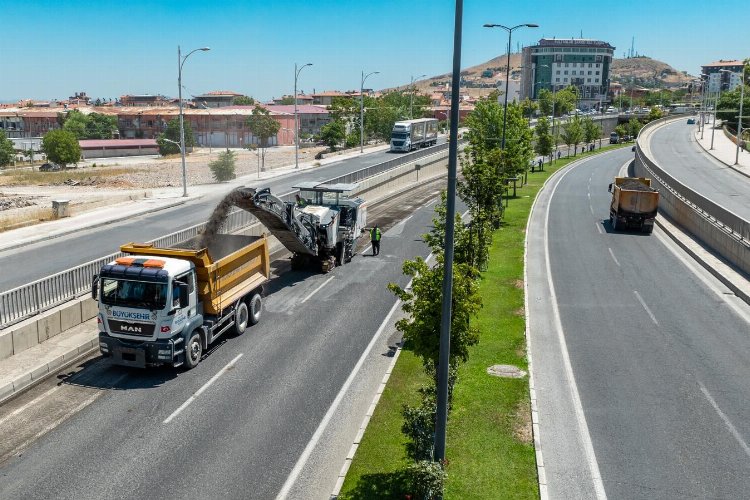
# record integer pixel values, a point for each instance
(508, 371)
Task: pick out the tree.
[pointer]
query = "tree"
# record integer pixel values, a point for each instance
(728, 108)
(621, 130)
(61, 147)
(172, 133)
(591, 131)
(654, 114)
(545, 102)
(262, 126)
(287, 100)
(634, 126)
(91, 126)
(223, 167)
(565, 100)
(528, 107)
(243, 100)
(7, 151)
(573, 134)
(333, 133)
(544, 140)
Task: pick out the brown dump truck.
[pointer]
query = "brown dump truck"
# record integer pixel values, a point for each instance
(166, 305)
(634, 204)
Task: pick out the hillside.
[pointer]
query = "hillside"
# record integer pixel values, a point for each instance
(642, 71)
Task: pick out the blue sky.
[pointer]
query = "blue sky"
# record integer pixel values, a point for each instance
(50, 49)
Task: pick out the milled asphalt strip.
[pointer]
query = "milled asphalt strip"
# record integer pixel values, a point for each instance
(34, 401)
(316, 290)
(643, 303)
(726, 420)
(577, 405)
(202, 389)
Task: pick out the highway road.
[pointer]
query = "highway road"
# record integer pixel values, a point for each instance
(675, 150)
(59, 254)
(237, 425)
(641, 358)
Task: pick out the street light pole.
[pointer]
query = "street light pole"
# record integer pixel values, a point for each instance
(362, 110)
(411, 98)
(180, 62)
(507, 69)
(739, 121)
(296, 119)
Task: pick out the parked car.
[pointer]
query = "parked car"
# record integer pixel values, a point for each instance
(691, 121)
(49, 167)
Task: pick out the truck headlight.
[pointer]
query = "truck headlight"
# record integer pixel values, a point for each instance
(103, 346)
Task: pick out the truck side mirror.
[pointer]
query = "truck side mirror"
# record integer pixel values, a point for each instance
(610, 187)
(184, 295)
(95, 287)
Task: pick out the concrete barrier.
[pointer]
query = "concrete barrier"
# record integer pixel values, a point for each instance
(719, 229)
(70, 315)
(6, 344)
(25, 337)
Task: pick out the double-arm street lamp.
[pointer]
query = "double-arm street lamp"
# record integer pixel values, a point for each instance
(507, 69)
(362, 110)
(411, 98)
(296, 119)
(180, 62)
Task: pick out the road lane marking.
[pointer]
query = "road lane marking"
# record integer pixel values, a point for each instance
(591, 209)
(726, 420)
(612, 254)
(316, 290)
(30, 403)
(202, 389)
(598, 225)
(588, 446)
(651, 315)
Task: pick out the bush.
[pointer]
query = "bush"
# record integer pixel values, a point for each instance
(419, 427)
(223, 167)
(426, 479)
(352, 140)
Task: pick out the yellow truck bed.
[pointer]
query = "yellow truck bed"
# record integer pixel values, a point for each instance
(634, 195)
(228, 269)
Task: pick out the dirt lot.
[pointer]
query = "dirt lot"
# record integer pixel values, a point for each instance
(26, 194)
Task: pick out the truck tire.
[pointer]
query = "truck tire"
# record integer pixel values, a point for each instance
(256, 306)
(241, 318)
(193, 350)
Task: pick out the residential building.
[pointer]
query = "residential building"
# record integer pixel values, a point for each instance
(217, 98)
(514, 90)
(555, 64)
(27, 122)
(144, 100)
(718, 79)
(311, 118)
(301, 99)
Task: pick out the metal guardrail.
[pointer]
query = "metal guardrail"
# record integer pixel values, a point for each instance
(33, 298)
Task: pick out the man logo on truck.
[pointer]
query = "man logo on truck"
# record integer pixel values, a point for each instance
(131, 329)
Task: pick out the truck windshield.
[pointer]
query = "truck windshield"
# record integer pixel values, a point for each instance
(399, 135)
(137, 294)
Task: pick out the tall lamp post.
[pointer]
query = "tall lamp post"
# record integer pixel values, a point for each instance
(180, 62)
(507, 69)
(362, 110)
(296, 119)
(739, 120)
(411, 98)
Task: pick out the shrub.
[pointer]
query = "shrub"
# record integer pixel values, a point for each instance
(223, 167)
(426, 479)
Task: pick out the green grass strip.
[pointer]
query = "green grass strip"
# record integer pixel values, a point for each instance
(490, 448)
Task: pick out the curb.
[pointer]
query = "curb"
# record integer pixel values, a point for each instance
(732, 166)
(66, 232)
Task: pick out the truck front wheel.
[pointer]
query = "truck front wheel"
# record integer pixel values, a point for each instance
(193, 351)
(241, 317)
(256, 305)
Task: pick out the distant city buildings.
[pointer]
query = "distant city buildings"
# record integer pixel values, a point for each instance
(555, 64)
(718, 79)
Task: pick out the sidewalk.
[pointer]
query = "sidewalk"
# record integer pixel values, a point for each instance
(159, 199)
(724, 149)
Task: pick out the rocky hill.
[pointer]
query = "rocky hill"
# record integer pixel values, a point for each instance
(481, 79)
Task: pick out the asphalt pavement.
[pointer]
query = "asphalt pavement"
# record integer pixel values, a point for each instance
(237, 425)
(64, 252)
(641, 357)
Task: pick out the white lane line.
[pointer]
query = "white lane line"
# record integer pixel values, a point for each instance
(302, 460)
(202, 389)
(598, 225)
(316, 290)
(588, 446)
(404, 220)
(726, 420)
(643, 303)
(612, 254)
(30, 403)
(591, 209)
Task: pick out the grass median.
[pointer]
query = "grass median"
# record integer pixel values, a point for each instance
(490, 448)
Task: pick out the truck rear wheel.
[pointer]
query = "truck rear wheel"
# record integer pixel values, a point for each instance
(241, 318)
(193, 351)
(256, 306)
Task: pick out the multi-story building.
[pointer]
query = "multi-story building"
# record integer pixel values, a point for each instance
(555, 64)
(216, 99)
(722, 75)
(144, 100)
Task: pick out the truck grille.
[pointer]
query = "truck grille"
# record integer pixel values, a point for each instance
(127, 328)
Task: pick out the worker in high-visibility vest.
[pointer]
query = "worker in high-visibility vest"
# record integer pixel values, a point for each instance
(375, 239)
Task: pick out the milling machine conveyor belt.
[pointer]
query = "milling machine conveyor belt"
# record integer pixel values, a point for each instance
(274, 214)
